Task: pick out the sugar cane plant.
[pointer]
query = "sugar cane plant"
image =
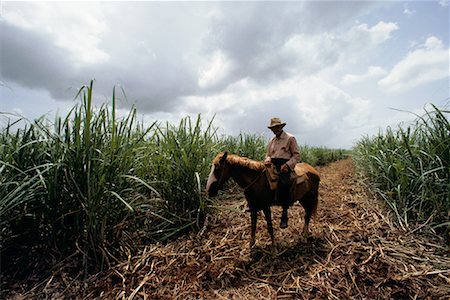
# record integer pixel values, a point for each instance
(92, 183)
(410, 169)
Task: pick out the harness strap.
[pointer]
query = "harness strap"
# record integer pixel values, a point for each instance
(256, 179)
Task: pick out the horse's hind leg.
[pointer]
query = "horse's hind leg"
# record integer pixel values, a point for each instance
(253, 216)
(308, 214)
(309, 203)
(268, 216)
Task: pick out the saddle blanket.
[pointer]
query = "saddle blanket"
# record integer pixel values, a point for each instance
(298, 176)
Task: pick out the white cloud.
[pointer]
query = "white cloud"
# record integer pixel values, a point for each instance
(79, 33)
(443, 3)
(433, 43)
(308, 105)
(382, 31)
(360, 113)
(372, 72)
(423, 65)
(218, 67)
(311, 53)
(407, 10)
(376, 34)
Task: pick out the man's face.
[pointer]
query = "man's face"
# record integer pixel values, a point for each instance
(277, 130)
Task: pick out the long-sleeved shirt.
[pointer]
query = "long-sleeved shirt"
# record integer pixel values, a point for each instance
(285, 146)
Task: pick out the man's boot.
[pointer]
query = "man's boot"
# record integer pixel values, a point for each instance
(284, 219)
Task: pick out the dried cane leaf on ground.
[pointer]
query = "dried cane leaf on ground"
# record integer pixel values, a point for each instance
(355, 252)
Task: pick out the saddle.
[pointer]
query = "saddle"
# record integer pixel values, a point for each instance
(298, 177)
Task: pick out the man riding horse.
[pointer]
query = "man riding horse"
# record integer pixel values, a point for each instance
(283, 153)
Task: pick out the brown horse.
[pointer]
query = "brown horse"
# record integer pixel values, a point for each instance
(250, 175)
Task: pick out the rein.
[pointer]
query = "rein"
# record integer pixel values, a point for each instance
(219, 182)
(256, 179)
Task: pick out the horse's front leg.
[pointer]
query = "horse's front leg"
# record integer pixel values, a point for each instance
(254, 216)
(305, 231)
(268, 216)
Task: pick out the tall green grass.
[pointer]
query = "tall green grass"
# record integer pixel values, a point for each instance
(98, 185)
(248, 145)
(75, 179)
(178, 163)
(320, 156)
(410, 168)
(22, 169)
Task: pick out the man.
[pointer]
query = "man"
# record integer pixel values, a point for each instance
(283, 153)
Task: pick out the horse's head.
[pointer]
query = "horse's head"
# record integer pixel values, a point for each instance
(220, 172)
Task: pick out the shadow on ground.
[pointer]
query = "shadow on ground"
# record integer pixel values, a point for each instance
(271, 264)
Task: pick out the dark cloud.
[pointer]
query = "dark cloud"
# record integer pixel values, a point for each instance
(148, 58)
(151, 87)
(319, 16)
(31, 59)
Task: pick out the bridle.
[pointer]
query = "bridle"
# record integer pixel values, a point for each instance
(219, 181)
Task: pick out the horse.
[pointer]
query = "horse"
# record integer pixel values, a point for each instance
(250, 175)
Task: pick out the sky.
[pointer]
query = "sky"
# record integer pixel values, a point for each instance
(334, 71)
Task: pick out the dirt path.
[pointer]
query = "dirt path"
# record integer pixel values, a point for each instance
(355, 252)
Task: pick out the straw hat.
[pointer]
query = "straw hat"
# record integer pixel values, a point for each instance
(276, 122)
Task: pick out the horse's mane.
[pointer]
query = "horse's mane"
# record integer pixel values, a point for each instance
(236, 160)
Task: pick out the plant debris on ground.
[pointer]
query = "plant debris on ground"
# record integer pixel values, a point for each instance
(355, 251)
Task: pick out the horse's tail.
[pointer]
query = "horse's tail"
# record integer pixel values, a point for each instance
(315, 179)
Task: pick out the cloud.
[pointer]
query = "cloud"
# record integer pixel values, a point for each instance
(309, 54)
(408, 11)
(53, 47)
(262, 40)
(217, 68)
(78, 33)
(32, 60)
(175, 50)
(374, 35)
(443, 3)
(428, 63)
(308, 105)
(372, 72)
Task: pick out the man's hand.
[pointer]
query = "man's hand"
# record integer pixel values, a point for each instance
(268, 161)
(284, 168)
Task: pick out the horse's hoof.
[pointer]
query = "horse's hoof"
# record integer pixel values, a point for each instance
(304, 236)
(273, 251)
(284, 220)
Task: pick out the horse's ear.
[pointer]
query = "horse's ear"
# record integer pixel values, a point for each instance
(224, 157)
